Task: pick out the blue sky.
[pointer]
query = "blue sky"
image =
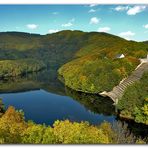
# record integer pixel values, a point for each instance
(128, 21)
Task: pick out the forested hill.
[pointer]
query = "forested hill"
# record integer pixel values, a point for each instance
(146, 42)
(65, 45)
(96, 66)
(56, 49)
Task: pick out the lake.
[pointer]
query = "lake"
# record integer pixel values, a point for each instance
(44, 99)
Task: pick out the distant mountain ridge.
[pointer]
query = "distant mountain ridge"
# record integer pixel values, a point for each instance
(62, 46)
(145, 42)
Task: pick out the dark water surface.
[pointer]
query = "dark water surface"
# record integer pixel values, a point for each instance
(44, 107)
(44, 99)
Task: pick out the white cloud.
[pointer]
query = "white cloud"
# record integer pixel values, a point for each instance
(70, 23)
(136, 9)
(93, 5)
(127, 35)
(53, 30)
(130, 10)
(145, 26)
(104, 29)
(94, 20)
(32, 26)
(67, 24)
(121, 8)
(91, 11)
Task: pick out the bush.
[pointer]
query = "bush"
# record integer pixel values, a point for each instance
(13, 129)
(92, 74)
(133, 104)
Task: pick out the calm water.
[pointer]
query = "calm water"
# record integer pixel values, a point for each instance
(44, 99)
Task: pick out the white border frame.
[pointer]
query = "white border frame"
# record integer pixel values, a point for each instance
(62, 2)
(74, 2)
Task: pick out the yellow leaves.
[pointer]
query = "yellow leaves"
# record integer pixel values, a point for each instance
(118, 71)
(140, 141)
(145, 108)
(83, 78)
(11, 126)
(48, 136)
(133, 60)
(92, 87)
(123, 71)
(106, 127)
(13, 129)
(33, 134)
(68, 132)
(142, 113)
(140, 53)
(62, 132)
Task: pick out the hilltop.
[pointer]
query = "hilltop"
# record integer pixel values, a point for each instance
(70, 43)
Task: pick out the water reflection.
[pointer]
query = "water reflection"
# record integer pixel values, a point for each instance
(46, 80)
(42, 96)
(45, 99)
(94, 103)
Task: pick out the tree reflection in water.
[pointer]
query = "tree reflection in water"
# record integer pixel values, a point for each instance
(48, 81)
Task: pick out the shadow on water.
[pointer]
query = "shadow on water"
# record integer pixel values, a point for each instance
(100, 105)
(94, 103)
(48, 81)
(138, 129)
(45, 79)
(47, 94)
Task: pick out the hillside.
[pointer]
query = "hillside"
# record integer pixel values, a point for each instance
(88, 59)
(145, 42)
(134, 103)
(65, 45)
(96, 67)
(53, 49)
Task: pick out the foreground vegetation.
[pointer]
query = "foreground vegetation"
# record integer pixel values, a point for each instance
(14, 129)
(134, 103)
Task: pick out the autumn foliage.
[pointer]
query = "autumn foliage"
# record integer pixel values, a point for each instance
(14, 129)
